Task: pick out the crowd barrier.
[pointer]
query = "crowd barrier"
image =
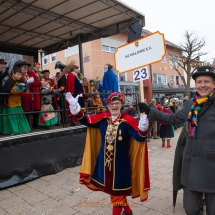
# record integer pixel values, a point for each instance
(87, 108)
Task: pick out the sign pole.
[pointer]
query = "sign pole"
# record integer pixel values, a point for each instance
(142, 94)
(141, 91)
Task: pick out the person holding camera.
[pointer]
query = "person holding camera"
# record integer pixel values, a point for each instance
(14, 124)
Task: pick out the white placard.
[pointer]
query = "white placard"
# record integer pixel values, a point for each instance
(144, 51)
(140, 74)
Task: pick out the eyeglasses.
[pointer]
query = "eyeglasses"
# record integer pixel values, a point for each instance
(115, 103)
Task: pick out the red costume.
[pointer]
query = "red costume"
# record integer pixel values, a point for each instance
(26, 100)
(35, 88)
(115, 159)
(73, 86)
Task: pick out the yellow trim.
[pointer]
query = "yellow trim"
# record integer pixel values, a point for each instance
(97, 182)
(114, 157)
(123, 189)
(141, 135)
(81, 117)
(137, 152)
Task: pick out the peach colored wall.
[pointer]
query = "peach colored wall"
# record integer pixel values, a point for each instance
(98, 60)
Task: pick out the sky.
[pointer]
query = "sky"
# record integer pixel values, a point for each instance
(173, 18)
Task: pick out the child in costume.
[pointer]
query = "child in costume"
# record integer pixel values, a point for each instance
(115, 159)
(47, 119)
(166, 130)
(14, 124)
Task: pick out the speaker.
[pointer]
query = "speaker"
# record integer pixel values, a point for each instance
(135, 31)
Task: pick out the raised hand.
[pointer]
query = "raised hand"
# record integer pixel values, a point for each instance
(70, 99)
(143, 123)
(73, 103)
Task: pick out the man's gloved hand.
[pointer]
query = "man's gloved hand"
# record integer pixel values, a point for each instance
(30, 80)
(71, 100)
(143, 107)
(143, 123)
(73, 103)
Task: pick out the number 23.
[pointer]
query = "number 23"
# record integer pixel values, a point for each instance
(140, 74)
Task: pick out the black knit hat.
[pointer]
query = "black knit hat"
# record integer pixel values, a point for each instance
(204, 70)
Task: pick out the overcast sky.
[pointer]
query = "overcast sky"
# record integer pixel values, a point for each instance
(173, 17)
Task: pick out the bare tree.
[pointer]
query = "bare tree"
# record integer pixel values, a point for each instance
(213, 64)
(10, 58)
(189, 60)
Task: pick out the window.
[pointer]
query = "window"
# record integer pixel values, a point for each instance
(110, 44)
(108, 49)
(159, 78)
(172, 77)
(105, 48)
(112, 49)
(71, 51)
(52, 57)
(122, 77)
(177, 80)
(164, 59)
(45, 60)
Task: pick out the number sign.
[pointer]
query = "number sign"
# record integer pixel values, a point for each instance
(140, 74)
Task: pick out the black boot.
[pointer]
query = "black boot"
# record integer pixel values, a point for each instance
(123, 213)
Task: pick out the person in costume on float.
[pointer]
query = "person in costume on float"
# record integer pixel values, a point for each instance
(26, 101)
(115, 158)
(3, 73)
(52, 85)
(109, 83)
(198, 163)
(166, 130)
(35, 88)
(14, 124)
(61, 83)
(74, 86)
(47, 119)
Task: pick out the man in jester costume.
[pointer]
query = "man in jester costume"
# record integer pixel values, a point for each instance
(198, 161)
(115, 159)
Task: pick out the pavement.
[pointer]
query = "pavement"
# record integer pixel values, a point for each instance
(61, 193)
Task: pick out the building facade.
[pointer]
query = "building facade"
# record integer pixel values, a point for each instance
(98, 53)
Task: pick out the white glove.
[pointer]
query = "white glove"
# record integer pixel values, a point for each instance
(73, 103)
(143, 123)
(75, 110)
(71, 100)
(30, 80)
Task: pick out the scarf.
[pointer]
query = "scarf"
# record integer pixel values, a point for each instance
(198, 101)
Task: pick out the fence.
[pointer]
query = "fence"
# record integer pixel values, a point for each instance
(131, 100)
